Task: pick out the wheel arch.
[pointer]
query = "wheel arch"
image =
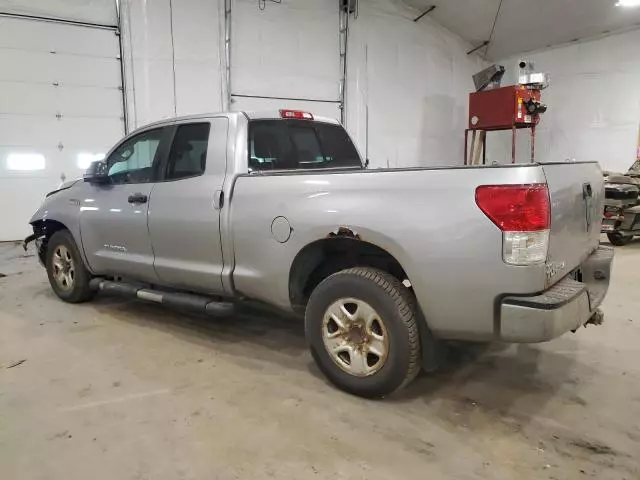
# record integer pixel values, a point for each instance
(342, 249)
(45, 227)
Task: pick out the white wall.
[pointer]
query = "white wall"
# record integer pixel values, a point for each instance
(594, 103)
(415, 78)
(172, 58)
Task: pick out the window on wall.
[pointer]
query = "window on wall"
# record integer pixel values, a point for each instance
(26, 161)
(298, 144)
(188, 154)
(84, 160)
(132, 162)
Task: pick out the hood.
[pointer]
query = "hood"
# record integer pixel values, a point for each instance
(68, 184)
(63, 186)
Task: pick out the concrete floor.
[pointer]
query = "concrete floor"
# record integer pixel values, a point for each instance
(117, 389)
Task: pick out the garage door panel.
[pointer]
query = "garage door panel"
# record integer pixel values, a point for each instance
(270, 49)
(44, 99)
(27, 195)
(101, 12)
(52, 164)
(18, 162)
(26, 130)
(49, 132)
(298, 86)
(99, 132)
(39, 67)
(48, 36)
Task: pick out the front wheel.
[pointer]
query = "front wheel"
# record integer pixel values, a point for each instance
(68, 276)
(619, 240)
(361, 327)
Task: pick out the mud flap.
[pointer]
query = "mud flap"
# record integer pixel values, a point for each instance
(433, 351)
(596, 319)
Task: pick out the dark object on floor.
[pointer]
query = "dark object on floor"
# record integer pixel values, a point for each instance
(15, 364)
(595, 448)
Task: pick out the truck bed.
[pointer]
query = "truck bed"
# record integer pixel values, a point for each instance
(427, 218)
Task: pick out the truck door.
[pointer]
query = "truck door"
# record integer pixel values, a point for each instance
(184, 213)
(113, 217)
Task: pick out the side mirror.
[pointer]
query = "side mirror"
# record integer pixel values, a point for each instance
(97, 173)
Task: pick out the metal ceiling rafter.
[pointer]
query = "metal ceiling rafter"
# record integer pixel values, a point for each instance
(493, 28)
(426, 12)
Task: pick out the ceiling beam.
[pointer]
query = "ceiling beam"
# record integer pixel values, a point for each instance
(483, 44)
(427, 11)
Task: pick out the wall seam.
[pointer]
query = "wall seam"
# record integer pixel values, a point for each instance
(173, 59)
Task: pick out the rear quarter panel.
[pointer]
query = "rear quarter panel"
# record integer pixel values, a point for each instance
(426, 219)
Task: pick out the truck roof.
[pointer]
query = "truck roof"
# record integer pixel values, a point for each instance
(256, 115)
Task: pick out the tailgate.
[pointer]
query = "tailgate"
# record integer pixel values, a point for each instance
(576, 191)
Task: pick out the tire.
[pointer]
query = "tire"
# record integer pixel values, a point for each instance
(378, 343)
(619, 240)
(68, 276)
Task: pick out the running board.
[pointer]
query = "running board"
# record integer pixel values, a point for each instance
(174, 299)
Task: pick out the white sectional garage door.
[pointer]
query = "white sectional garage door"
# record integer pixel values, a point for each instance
(60, 107)
(288, 50)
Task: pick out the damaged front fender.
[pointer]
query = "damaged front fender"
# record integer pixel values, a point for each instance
(29, 239)
(40, 236)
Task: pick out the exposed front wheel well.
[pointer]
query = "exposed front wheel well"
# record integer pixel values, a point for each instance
(45, 230)
(322, 258)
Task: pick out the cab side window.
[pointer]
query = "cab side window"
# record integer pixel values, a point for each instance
(188, 154)
(132, 162)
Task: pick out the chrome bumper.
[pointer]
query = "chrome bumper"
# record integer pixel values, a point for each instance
(566, 306)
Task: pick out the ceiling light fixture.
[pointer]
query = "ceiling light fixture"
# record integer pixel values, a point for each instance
(628, 3)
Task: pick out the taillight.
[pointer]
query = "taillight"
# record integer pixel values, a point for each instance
(296, 114)
(521, 212)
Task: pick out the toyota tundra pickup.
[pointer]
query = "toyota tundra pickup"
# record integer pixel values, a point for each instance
(208, 211)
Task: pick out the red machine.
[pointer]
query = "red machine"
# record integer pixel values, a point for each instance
(493, 108)
(503, 108)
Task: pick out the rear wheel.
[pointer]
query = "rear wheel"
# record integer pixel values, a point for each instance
(68, 276)
(361, 327)
(619, 240)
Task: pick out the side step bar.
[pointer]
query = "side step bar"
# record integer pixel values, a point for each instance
(174, 299)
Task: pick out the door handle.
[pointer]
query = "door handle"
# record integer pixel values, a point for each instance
(138, 198)
(218, 199)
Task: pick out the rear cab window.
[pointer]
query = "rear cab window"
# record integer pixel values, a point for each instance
(299, 145)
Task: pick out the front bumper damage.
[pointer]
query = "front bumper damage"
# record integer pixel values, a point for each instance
(39, 236)
(567, 305)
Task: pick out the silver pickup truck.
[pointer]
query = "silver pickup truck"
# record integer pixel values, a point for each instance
(207, 211)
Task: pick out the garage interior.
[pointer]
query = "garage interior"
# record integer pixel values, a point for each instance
(117, 388)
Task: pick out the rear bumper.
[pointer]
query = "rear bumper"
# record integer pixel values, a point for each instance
(566, 306)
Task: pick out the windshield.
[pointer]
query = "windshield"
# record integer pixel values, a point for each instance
(299, 145)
